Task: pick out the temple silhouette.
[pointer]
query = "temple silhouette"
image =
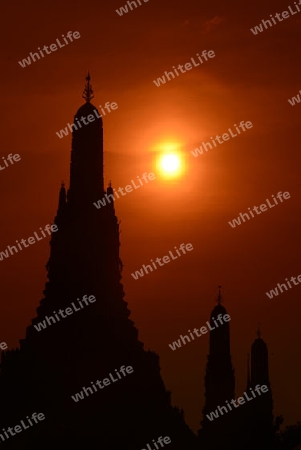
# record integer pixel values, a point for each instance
(251, 425)
(54, 363)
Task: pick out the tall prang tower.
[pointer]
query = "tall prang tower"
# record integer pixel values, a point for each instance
(56, 362)
(257, 417)
(219, 378)
(219, 382)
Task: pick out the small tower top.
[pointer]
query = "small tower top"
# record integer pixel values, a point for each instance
(88, 91)
(258, 331)
(219, 296)
(62, 197)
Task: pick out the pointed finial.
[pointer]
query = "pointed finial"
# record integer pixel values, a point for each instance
(88, 92)
(219, 297)
(258, 331)
(63, 184)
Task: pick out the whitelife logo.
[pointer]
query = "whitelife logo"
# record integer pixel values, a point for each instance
(165, 259)
(53, 48)
(68, 311)
(284, 14)
(31, 240)
(124, 9)
(10, 158)
(295, 100)
(161, 441)
(128, 188)
(36, 417)
(223, 409)
(263, 208)
(273, 292)
(203, 330)
(90, 118)
(187, 66)
(225, 137)
(106, 382)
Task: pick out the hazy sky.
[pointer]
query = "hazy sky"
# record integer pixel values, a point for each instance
(251, 78)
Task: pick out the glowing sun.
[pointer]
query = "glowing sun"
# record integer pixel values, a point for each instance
(170, 163)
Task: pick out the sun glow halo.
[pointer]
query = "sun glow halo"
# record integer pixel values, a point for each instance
(170, 162)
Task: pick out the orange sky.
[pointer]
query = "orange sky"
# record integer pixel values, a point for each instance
(250, 78)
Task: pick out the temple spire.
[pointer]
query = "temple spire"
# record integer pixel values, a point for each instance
(258, 331)
(219, 377)
(88, 92)
(219, 297)
(62, 197)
